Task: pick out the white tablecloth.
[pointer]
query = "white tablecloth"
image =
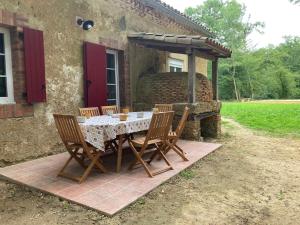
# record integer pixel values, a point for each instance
(98, 129)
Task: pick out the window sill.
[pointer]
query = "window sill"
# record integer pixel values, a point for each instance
(7, 102)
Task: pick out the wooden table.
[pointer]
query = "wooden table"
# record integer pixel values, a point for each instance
(99, 129)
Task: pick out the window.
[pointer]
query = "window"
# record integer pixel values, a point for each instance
(175, 65)
(6, 79)
(112, 77)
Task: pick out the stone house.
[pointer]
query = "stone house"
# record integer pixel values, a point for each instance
(50, 64)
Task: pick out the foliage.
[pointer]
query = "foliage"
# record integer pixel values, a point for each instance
(227, 20)
(275, 118)
(187, 174)
(295, 1)
(271, 72)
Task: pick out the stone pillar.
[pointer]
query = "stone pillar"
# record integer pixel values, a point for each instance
(191, 76)
(192, 130)
(214, 79)
(211, 126)
(204, 120)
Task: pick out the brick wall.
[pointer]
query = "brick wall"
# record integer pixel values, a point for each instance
(21, 108)
(170, 88)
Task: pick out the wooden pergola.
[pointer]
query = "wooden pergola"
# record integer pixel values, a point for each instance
(193, 46)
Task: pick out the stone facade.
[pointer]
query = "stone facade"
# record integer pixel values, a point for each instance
(31, 131)
(204, 120)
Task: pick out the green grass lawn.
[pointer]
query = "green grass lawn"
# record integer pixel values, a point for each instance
(275, 118)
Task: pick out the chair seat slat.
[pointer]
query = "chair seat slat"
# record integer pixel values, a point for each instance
(164, 107)
(111, 109)
(91, 111)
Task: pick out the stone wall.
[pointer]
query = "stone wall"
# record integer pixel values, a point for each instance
(204, 120)
(36, 135)
(169, 88)
(211, 126)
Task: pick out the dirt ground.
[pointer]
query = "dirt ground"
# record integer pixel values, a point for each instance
(252, 179)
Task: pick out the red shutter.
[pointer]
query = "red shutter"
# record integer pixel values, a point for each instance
(34, 65)
(95, 93)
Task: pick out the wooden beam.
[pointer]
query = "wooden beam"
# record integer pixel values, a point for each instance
(203, 52)
(191, 76)
(214, 79)
(160, 44)
(167, 49)
(205, 55)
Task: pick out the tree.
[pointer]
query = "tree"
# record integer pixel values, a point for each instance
(270, 72)
(291, 53)
(231, 24)
(295, 1)
(274, 71)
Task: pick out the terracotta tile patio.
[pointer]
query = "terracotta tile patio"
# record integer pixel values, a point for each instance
(107, 193)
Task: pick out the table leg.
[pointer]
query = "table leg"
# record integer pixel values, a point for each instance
(120, 149)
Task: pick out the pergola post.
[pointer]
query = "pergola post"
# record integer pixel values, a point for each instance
(191, 76)
(214, 79)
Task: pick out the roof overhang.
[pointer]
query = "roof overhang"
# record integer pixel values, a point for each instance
(178, 16)
(202, 46)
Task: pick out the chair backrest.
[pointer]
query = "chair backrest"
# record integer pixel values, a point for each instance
(111, 109)
(160, 126)
(182, 121)
(69, 129)
(164, 107)
(92, 111)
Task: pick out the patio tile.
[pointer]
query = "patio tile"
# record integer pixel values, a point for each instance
(106, 192)
(56, 186)
(124, 198)
(91, 198)
(141, 186)
(108, 206)
(109, 187)
(74, 191)
(29, 177)
(42, 182)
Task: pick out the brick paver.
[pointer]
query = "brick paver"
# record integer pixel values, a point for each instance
(107, 193)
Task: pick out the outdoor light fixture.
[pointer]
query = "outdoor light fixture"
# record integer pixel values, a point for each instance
(85, 24)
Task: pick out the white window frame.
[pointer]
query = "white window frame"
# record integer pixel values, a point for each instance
(116, 69)
(177, 63)
(8, 67)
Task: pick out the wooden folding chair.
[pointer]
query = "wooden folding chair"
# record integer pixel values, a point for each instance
(173, 136)
(79, 150)
(158, 131)
(164, 107)
(92, 111)
(110, 109)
